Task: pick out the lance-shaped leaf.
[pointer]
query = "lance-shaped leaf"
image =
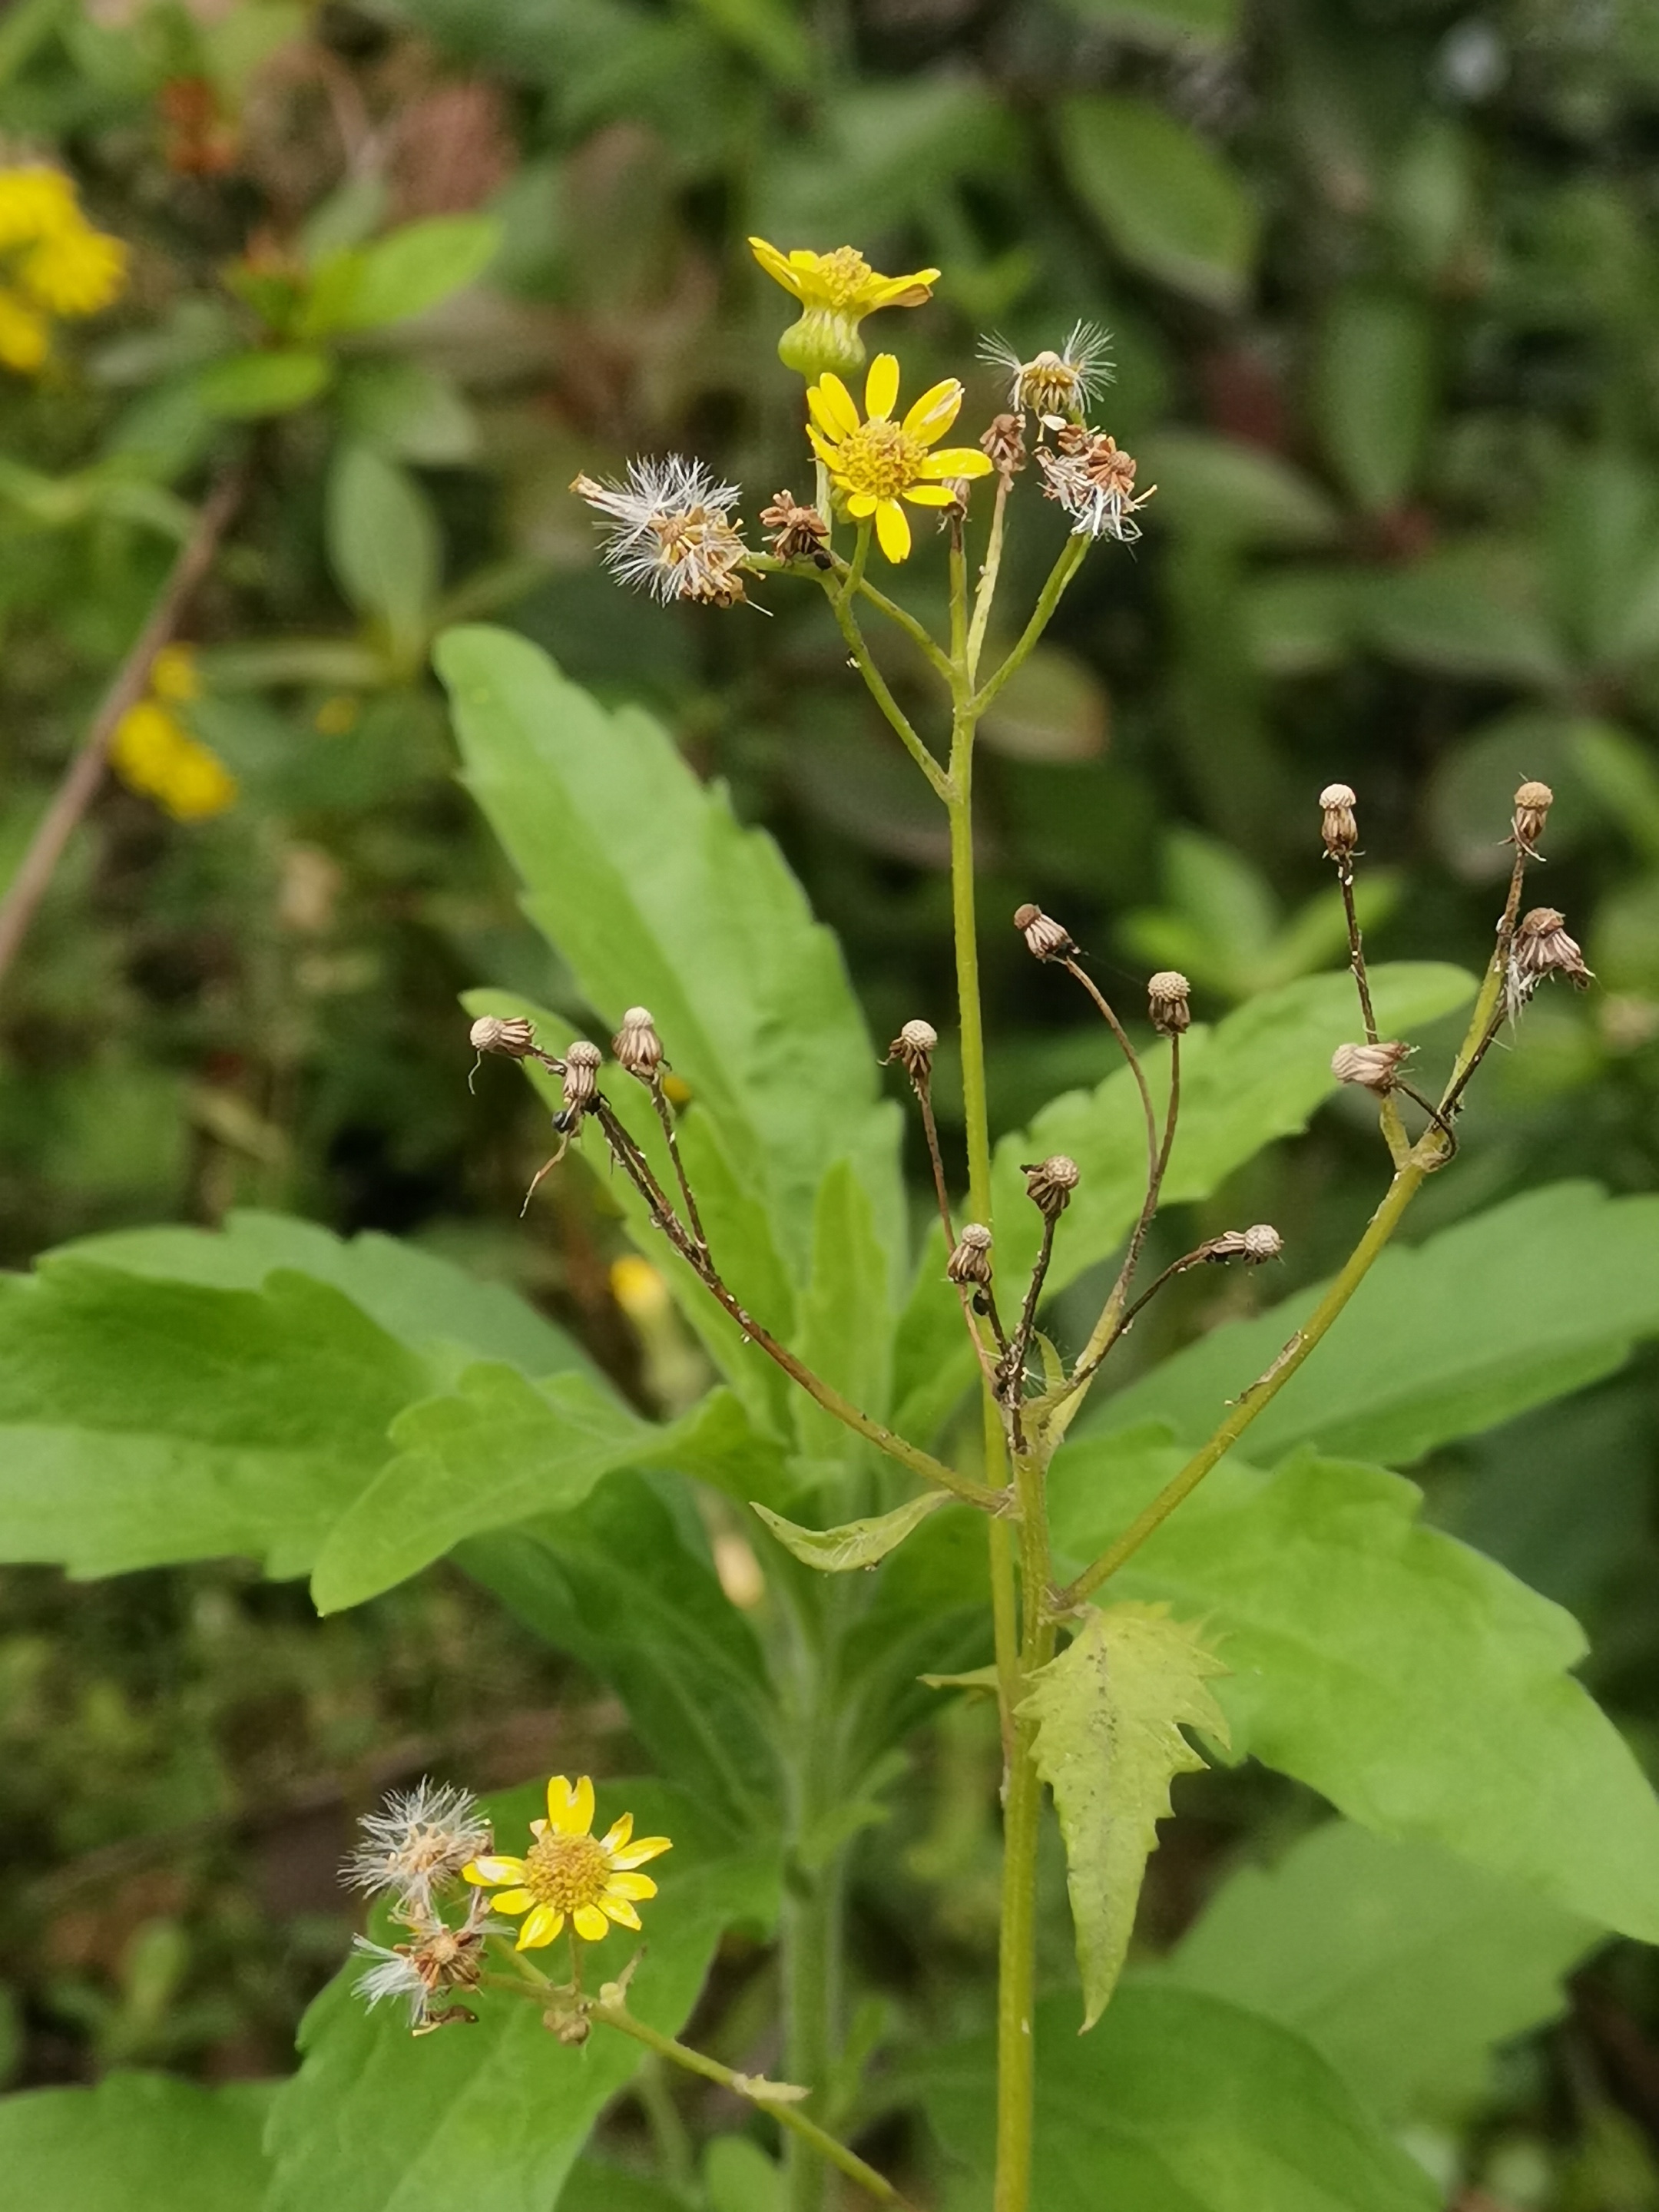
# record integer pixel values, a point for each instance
(1109, 1711)
(855, 1543)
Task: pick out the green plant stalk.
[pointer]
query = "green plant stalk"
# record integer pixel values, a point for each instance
(1070, 561)
(809, 1920)
(840, 596)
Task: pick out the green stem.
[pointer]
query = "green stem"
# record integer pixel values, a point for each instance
(906, 622)
(810, 1921)
(988, 578)
(1070, 561)
(839, 596)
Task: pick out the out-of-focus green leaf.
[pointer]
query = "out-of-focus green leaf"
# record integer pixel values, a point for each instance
(1174, 21)
(1602, 543)
(1403, 1964)
(1417, 1685)
(1254, 1078)
(886, 152)
(248, 385)
(595, 2185)
(1619, 771)
(655, 894)
(1533, 1298)
(1109, 1711)
(402, 274)
(740, 2178)
(383, 545)
(1167, 202)
(768, 31)
(1469, 611)
(1299, 622)
(846, 1332)
(493, 2116)
(1374, 390)
(1221, 488)
(1472, 792)
(1053, 708)
(134, 2142)
(855, 1543)
(1179, 2102)
(407, 410)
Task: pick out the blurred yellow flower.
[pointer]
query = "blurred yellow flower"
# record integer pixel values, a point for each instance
(25, 334)
(569, 1873)
(52, 262)
(638, 1288)
(173, 674)
(153, 752)
(836, 291)
(876, 462)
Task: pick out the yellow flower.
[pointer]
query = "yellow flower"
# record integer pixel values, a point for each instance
(52, 261)
(75, 272)
(35, 202)
(25, 334)
(570, 1873)
(836, 291)
(876, 462)
(153, 752)
(173, 674)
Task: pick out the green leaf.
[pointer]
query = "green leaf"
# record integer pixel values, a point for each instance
(739, 2177)
(855, 1543)
(135, 2143)
(1174, 21)
(248, 385)
(625, 1585)
(1404, 1966)
(929, 1613)
(1109, 1711)
(144, 1421)
(1254, 1077)
(595, 2185)
(1223, 488)
(846, 1332)
(1167, 201)
(1519, 1305)
(383, 545)
(1373, 391)
(403, 274)
(493, 2117)
(1179, 2102)
(1417, 1685)
(653, 894)
(1471, 611)
(408, 411)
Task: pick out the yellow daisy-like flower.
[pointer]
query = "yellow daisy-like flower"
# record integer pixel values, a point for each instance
(75, 271)
(876, 462)
(53, 263)
(153, 752)
(569, 1873)
(25, 334)
(836, 291)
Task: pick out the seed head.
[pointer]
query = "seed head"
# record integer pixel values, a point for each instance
(914, 1048)
(970, 1262)
(1094, 480)
(1373, 1067)
(1060, 384)
(1542, 947)
(668, 531)
(1049, 1184)
(1337, 825)
(581, 1077)
(1253, 1245)
(797, 532)
(1532, 805)
(439, 1957)
(1045, 937)
(636, 1045)
(1003, 444)
(1167, 995)
(418, 1839)
(514, 1036)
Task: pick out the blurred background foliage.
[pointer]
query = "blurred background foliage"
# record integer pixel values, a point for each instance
(1382, 277)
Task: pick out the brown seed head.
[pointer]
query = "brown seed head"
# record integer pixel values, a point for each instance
(1045, 937)
(1532, 805)
(514, 1036)
(1167, 996)
(1049, 1184)
(1003, 444)
(914, 1048)
(797, 532)
(1373, 1067)
(1337, 825)
(970, 1262)
(581, 1075)
(636, 1044)
(1263, 1241)
(1542, 947)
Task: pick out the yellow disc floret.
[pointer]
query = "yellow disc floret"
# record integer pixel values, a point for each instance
(569, 1874)
(874, 462)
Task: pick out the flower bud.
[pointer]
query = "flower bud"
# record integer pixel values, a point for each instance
(1049, 1184)
(636, 1044)
(1373, 1067)
(823, 338)
(1532, 805)
(970, 1262)
(913, 1049)
(1167, 994)
(514, 1036)
(1542, 947)
(581, 1076)
(1337, 825)
(1263, 1241)
(1045, 938)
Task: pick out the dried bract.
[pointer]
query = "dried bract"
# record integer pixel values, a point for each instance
(1045, 937)
(970, 1261)
(1167, 996)
(636, 1045)
(913, 1048)
(669, 531)
(1542, 948)
(1061, 383)
(1049, 1184)
(1533, 803)
(1094, 480)
(1373, 1067)
(796, 532)
(1260, 1242)
(1337, 825)
(1003, 444)
(514, 1036)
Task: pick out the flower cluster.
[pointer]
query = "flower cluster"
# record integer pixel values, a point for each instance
(53, 263)
(153, 752)
(412, 1850)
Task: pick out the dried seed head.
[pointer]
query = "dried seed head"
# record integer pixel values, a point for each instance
(1337, 826)
(1003, 444)
(970, 1262)
(1094, 480)
(1542, 947)
(1061, 382)
(1532, 805)
(914, 1048)
(796, 532)
(419, 1839)
(514, 1036)
(1049, 1184)
(581, 1076)
(1045, 937)
(636, 1044)
(1373, 1067)
(1167, 995)
(1263, 1241)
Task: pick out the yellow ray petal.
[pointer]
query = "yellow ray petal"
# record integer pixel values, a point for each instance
(617, 1833)
(619, 1910)
(490, 1873)
(957, 461)
(630, 1885)
(569, 1806)
(539, 1928)
(827, 453)
(893, 529)
(774, 264)
(512, 1900)
(648, 1847)
(590, 1924)
(934, 412)
(903, 291)
(822, 413)
(834, 394)
(862, 503)
(927, 495)
(881, 387)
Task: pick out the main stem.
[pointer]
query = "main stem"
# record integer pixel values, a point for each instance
(810, 1921)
